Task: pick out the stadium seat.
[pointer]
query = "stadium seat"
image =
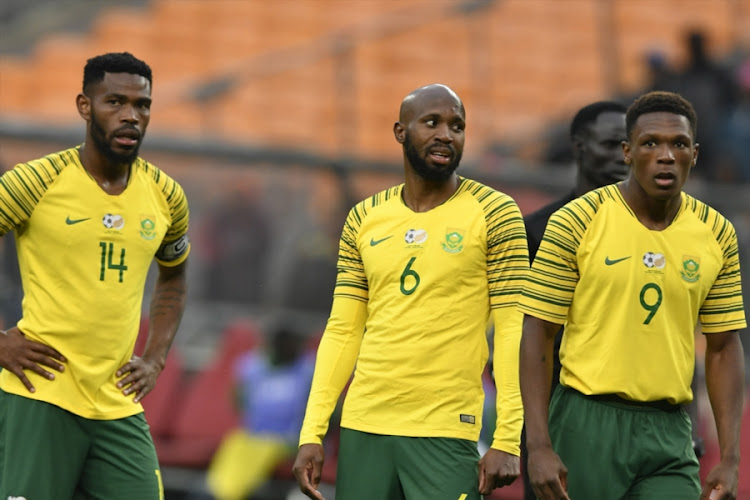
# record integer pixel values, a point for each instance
(201, 420)
(206, 412)
(161, 404)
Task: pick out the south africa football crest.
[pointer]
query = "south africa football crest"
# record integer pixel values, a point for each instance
(690, 268)
(454, 240)
(148, 227)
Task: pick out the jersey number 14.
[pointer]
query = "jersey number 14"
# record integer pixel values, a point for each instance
(108, 251)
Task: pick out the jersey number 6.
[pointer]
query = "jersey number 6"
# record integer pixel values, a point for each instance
(409, 273)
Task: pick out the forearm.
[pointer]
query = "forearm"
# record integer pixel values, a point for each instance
(724, 382)
(537, 345)
(507, 322)
(166, 309)
(336, 357)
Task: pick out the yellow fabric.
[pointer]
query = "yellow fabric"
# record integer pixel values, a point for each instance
(629, 328)
(242, 463)
(84, 256)
(425, 283)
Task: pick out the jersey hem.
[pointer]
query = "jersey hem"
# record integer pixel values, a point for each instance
(124, 413)
(390, 431)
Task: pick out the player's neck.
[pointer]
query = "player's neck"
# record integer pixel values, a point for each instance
(111, 177)
(422, 195)
(654, 214)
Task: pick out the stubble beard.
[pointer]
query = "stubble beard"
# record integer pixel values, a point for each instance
(99, 137)
(420, 166)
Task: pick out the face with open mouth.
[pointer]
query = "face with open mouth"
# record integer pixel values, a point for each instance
(661, 151)
(120, 112)
(433, 136)
(434, 163)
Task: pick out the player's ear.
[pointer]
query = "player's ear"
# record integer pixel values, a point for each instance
(84, 106)
(626, 151)
(695, 154)
(399, 132)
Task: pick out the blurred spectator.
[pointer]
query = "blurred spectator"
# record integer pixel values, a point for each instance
(661, 76)
(710, 88)
(235, 241)
(272, 385)
(737, 135)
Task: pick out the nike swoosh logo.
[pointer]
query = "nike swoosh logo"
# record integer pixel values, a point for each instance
(70, 221)
(609, 261)
(374, 242)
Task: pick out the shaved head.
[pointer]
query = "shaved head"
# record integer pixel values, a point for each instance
(430, 128)
(418, 97)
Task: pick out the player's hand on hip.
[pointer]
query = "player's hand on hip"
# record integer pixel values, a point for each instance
(17, 353)
(497, 469)
(721, 482)
(308, 467)
(548, 475)
(140, 377)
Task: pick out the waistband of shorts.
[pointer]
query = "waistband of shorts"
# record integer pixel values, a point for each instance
(614, 399)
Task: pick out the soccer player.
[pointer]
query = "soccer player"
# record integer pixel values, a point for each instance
(596, 135)
(88, 223)
(629, 269)
(421, 267)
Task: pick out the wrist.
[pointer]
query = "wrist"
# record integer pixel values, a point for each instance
(158, 361)
(731, 459)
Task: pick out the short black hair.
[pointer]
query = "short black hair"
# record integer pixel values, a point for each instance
(661, 101)
(113, 62)
(588, 114)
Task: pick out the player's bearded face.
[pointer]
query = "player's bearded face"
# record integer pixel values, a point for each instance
(423, 167)
(104, 142)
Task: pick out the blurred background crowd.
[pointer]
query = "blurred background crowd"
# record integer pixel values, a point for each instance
(276, 117)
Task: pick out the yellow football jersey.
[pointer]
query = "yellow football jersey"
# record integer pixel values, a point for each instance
(630, 297)
(428, 282)
(84, 256)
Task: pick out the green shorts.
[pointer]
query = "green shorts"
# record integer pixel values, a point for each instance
(379, 467)
(617, 450)
(47, 453)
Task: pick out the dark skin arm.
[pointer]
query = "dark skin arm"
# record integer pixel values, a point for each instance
(167, 306)
(725, 369)
(17, 353)
(308, 467)
(547, 473)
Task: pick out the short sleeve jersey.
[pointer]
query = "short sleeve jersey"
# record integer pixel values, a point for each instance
(429, 280)
(84, 256)
(630, 297)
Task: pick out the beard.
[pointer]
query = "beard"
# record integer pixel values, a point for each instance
(425, 171)
(103, 144)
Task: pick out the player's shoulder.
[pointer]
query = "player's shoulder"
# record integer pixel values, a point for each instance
(482, 192)
(588, 205)
(702, 213)
(46, 169)
(494, 203)
(160, 179)
(543, 214)
(376, 202)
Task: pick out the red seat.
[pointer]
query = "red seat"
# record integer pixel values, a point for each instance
(162, 402)
(207, 413)
(203, 418)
